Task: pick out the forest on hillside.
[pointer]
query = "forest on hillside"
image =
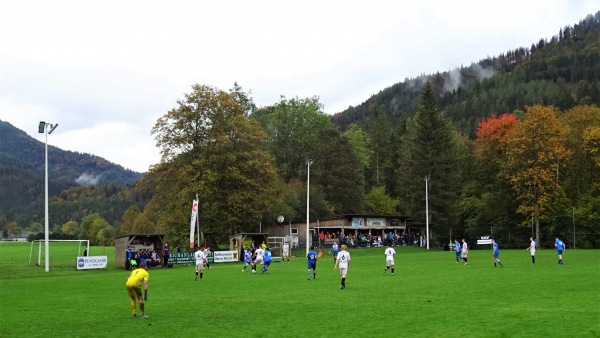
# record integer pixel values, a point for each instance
(510, 145)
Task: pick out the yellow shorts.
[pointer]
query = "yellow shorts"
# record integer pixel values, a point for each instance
(134, 291)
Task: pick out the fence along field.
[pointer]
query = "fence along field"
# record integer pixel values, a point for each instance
(429, 296)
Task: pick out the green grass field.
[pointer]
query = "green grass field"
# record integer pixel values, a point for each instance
(429, 296)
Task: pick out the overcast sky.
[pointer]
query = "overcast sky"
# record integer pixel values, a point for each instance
(106, 70)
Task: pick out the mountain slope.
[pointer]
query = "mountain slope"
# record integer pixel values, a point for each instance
(22, 178)
(563, 72)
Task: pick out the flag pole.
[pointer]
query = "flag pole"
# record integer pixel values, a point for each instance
(198, 220)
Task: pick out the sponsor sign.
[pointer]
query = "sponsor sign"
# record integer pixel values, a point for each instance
(358, 222)
(376, 222)
(225, 256)
(188, 258)
(91, 262)
(484, 240)
(182, 258)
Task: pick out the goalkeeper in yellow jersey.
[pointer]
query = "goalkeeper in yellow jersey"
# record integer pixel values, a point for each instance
(134, 288)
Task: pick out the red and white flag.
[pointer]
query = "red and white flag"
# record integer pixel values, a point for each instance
(193, 222)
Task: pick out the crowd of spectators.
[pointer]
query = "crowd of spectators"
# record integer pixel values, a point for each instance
(149, 257)
(369, 239)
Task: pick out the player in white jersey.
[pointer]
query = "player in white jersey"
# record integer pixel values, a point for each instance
(389, 258)
(259, 255)
(465, 252)
(531, 249)
(200, 261)
(286, 252)
(343, 261)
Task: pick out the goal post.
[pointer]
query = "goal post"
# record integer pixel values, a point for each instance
(275, 245)
(63, 252)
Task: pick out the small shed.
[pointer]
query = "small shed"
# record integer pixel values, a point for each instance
(241, 241)
(137, 242)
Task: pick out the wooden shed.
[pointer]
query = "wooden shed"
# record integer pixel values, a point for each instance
(137, 242)
(245, 240)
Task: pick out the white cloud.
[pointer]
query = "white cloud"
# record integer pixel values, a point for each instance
(105, 71)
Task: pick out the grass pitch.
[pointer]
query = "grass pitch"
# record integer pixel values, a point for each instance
(429, 296)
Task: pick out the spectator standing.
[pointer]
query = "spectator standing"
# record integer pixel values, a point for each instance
(531, 249)
(128, 257)
(166, 252)
(343, 261)
(207, 253)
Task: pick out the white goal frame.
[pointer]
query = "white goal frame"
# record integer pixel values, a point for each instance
(40, 241)
(275, 245)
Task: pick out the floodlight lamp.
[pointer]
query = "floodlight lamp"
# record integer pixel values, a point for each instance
(42, 127)
(52, 127)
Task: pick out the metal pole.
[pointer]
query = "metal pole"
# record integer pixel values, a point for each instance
(47, 226)
(427, 211)
(308, 163)
(573, 228)
(198, 219)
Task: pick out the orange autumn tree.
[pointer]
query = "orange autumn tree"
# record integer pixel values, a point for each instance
(490, 144)
(490, 200)
(535, 151)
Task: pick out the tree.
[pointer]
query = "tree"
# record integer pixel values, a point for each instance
(70, 227)
(379, 203)
(292, 127)
(128, 220)
(535, 152)
(431, 151)
(580, 174)
(211, 147)
(337, 170)
(380, 135)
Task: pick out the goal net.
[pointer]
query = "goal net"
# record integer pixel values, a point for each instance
(275, 245)
(62, 253)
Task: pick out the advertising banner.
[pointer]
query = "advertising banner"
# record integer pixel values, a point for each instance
(358, 222)
(225, 256)
(91, 262)
(376, 222)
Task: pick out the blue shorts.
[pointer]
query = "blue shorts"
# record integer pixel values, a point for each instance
(266, 263)
(312, 265)
(496, 255)
(559, 252)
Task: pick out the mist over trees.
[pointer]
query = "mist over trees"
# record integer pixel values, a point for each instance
(509, 146)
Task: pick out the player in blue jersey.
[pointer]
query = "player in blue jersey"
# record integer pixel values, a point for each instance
(247, 258)
(312, 262)
(560, 247)
(457, 249)
(334, 249)
(267, 260)
(496, 253)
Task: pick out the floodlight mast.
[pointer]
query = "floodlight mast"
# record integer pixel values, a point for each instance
(308, 163)
(43, 128)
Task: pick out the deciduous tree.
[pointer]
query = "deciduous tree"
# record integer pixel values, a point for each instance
(535, 152)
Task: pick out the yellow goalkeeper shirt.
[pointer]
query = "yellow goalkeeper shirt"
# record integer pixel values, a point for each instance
(137, 277)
